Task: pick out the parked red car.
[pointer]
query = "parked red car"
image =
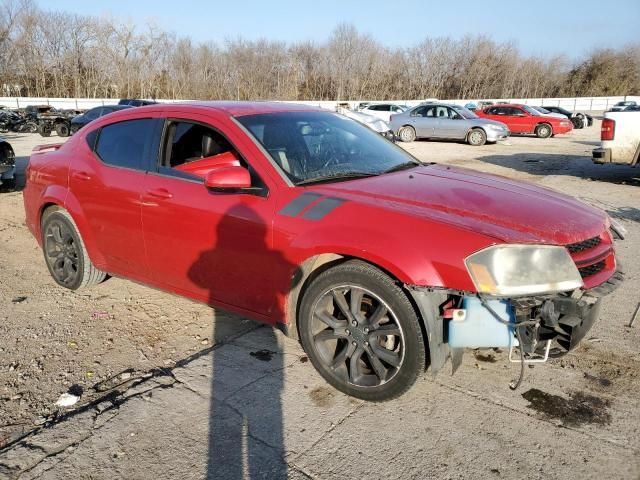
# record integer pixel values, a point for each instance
(524, 119)
(308, 220)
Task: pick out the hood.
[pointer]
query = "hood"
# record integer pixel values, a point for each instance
(498, 207)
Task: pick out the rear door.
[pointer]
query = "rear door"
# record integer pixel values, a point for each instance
(107, 184)
(424, 120)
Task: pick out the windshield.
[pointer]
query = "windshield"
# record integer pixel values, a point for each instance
(324, 146)
(464, 112)
(532, 111)
(542, 110)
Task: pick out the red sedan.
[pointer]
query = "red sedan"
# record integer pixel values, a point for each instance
(526, 120)
(307, 220)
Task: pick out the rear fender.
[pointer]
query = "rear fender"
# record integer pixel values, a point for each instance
(72, 205)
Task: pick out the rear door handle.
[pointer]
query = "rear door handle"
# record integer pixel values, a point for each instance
(160, 193)
(81, 176)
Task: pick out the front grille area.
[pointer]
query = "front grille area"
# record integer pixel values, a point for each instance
(584, 245)
(592, 269)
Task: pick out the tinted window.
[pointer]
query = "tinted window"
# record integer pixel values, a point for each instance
(91, 138)
(124, 144)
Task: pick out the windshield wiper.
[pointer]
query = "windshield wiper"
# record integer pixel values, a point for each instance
(336, 176)
(402, 166)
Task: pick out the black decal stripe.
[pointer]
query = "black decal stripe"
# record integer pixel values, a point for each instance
(322, 208)
(298, 204)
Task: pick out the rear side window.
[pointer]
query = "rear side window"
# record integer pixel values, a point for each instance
(125, 144)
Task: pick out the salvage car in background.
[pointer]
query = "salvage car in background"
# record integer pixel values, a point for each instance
(374, 123)
(544, 111)
(49, 119)
(96, 112)
(7, 164)
(618, 107)
(383, 110)
(579, 119)
(447, 121)
(302, 218)
(523, 119)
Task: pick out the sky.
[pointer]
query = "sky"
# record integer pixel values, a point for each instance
(541, 27)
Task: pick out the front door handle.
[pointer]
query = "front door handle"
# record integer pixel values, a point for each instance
(81, 176)
(160, 193)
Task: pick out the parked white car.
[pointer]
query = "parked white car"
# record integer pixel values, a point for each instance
(374, 123)
(545, 112)
(383, 110)
(619, 139)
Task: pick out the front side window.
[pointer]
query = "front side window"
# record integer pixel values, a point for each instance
(192, 150)
(317, 146)
(125, 144)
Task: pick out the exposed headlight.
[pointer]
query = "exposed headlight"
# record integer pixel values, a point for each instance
(495, 127)
(565, 124)
(512, 270)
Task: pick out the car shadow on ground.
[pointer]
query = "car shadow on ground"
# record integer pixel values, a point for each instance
(578, 166)
(246, 432)
(587, 142)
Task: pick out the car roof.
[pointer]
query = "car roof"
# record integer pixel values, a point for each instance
(516, 105)
(241, 108)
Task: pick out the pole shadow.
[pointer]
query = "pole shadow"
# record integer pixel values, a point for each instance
(246, 436)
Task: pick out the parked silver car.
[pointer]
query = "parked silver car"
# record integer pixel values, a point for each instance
(446, 121)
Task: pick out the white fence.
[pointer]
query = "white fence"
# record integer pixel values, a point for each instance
(579, 103)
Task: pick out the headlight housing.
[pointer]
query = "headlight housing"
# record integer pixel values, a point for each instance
(516, 270)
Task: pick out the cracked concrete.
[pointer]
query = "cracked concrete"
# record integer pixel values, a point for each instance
(199, 401)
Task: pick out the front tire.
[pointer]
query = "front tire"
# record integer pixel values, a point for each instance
(407, 134)
(543, 130)
(361, 332)
(65, 254)
(477, 137)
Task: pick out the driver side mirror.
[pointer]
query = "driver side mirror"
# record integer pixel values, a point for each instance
(228, 178)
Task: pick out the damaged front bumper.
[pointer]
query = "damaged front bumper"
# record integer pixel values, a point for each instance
(545, 325)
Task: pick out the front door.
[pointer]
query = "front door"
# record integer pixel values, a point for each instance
(212, 246)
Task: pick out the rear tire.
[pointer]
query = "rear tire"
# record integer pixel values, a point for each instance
(65, 254)
(62, 130)
(543, 130)
(407, 134)
(477, 137)
(361, 332)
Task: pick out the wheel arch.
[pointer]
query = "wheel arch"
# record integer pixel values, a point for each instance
(317, 264)
(314, 266)
(471, 129)
(72, 206)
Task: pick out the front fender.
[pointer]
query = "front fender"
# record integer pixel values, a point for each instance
(415, 251)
